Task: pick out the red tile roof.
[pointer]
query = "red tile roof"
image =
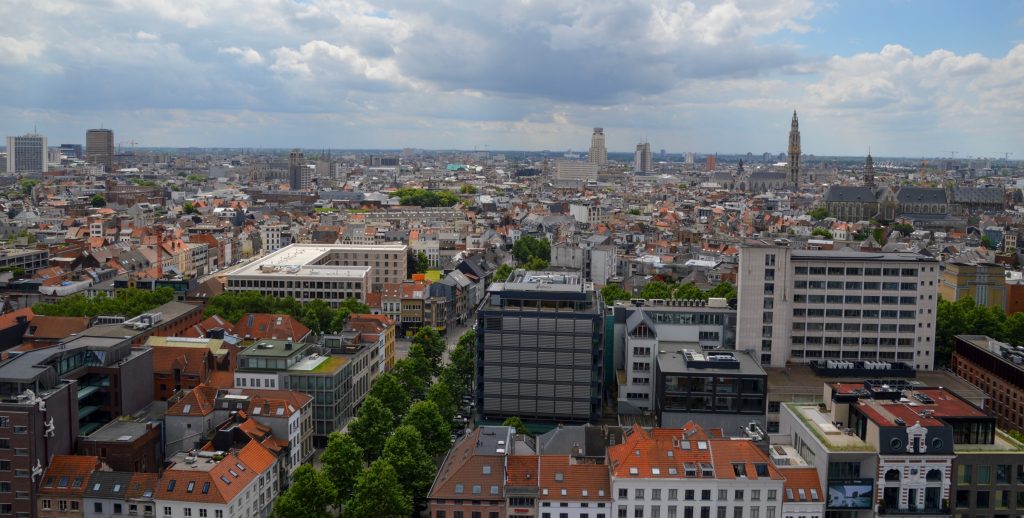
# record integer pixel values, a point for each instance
(219, 483)
(802, 479)
(257, 326)
(68, 474)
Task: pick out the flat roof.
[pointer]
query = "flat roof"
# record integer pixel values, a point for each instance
(319, 364)
(304, 254)
(120, 431)
(273, 349)
(696, 361)
(853, 255)
(543, 281)
(800, 379)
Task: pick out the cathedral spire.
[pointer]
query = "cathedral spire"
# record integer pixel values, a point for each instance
(869, 170)
(794, 152)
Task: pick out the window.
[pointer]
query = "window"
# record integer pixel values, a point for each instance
(771, 495)
(47, 505)
(638, 493)
(737, 512)
(705, 495)
(188, 511)
(167, 511)
(655, 494)
(202, 513)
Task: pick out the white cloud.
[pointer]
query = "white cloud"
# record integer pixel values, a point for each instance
(246, 55)
(147, 36)
(14, 51)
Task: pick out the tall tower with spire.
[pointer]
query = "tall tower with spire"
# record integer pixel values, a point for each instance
(794, 151)
(869, 171)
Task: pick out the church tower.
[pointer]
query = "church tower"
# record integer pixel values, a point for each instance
(794, 152)
(869, 171)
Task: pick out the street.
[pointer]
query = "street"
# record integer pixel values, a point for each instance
(402, 343)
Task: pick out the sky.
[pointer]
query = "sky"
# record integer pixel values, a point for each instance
(901, 77)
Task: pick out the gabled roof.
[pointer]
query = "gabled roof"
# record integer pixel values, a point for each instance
(215, 482)
(256, 326)
(68, 474)
(802, 485)
(44, 327)
(109, 485)
(561, 479)
(198, 402)
(473, 464)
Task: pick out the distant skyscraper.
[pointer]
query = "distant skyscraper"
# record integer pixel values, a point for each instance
(99, 148)
(794, 151)
(71, 150)
(689, 157)
(26, 154)
(298, 173)
(598, 151)
(642, 157)
(711, 163)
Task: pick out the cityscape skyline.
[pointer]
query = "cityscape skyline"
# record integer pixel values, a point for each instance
(507, 76)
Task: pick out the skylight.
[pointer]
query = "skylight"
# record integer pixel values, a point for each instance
(187, 408)
(655, 471)
(191, 486)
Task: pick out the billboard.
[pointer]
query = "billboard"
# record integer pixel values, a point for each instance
(850, 494)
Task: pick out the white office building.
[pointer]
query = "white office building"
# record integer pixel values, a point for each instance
(26, 154)
(807, 306)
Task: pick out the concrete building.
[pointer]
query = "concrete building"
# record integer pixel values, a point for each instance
(720, 389)
(807, 306)
(642, 162)
(99, 148)
(595, 257)
(598, 152)
(30, 259)
(26, 154)
(275, 236)
(983, 282)
(299, 176)
(641, 330)
(576, 171)
(998, 369)
(540, 354)
(119, 493)
(329, 272)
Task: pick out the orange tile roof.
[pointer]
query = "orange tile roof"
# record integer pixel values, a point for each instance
(219, 484)
(68, 474)
(802, 479)
(199, 402)
(256, 326)
(728, 453)
(141, 484)
(8, 320)
(579, 481)
(190, 360)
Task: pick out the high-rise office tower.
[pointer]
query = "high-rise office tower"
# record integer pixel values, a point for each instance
(642, 157)
(99, 148)
(794, 151)
(711, 162)
(598, 151)
(539, 349)
(298, 173)
(803, 306)
(26, 154)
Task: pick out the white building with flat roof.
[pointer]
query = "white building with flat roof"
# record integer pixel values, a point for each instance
(807, 306)
(319, 264)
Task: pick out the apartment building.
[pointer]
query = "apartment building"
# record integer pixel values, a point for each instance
(998, 369)
(806, 306)
(983, 282)
(642, 329)
(539, 348)
(893, 447)
(219, 484)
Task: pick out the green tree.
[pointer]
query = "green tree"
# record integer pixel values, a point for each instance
(371, 427)
(342, 462)
(309, 496)
(467, 189)
(26, 185)
(988, 243)
(426, 418)
(723, 290)
(528, 247)
(414, 374)
(502, 273)
(390, 391)
(421, 263)
(427, 198)
(904, 228)
(442, 395)
(317, 315)
(462, 365)
(379, 494)
(189, 208)
(535, 264)
(405, 451)
(129, 302)
(345, 309)
(433, 343)
(98, 200)
(818, 213)
(822, 231)
(657, 290)
(614, 292)
(689, 291)
(517, 423)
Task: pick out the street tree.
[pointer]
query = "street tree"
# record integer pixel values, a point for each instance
(426, 418)
(379, 494)
(342, 462)
(405, 452)
(309, 496)
(371, 427)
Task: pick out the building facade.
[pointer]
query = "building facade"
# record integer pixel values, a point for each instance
(539, 349)
(598, 152)
(26, 154)
(807, 306)
(983, 282)
(99, 148)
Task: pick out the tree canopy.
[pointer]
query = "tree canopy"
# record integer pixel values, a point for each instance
(688, 291)
(517, 423)
(502, 273)
(371, 427)
(405, 451)
(317, 315)
(426, 198)
(818, 213)
(379, 494)
(392, 394)
(309, 496)
(528, 247)
(426, 418)
(420, 262)
(98, 200)
(965, 317)
(129, 302)
(342, 462)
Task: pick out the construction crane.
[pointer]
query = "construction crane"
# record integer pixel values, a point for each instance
(1006, 156)
(131, 143)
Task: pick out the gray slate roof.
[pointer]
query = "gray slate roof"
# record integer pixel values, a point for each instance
(989, 195)
(921, 195)
(102, 484)
(848, 193)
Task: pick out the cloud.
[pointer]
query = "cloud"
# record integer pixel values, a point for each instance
(147, 36)
(247, 55)
(14, 51)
